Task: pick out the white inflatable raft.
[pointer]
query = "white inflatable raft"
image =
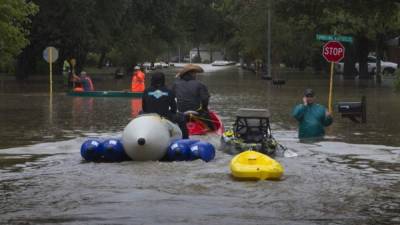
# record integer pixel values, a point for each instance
(148, 136)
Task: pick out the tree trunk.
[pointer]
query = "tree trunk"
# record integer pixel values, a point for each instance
(211, 55)
(80, 58)
(21, 69)
(80, 62)
(101, 62)
(198, 54)
(25, 64)
(379, 55)
(168, 54)
(362, 53)
(317, 63)
(349, 71)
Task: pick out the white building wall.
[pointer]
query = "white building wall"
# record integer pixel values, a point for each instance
(205, 54)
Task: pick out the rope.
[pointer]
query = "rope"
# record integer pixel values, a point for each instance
(192, 116)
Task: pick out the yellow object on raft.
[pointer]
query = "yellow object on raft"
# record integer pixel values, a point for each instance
(255, 166)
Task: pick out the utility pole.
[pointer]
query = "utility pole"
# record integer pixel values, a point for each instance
(269, 39)
(378, 50)
(179, 54)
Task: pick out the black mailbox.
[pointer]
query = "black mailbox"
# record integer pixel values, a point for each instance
(354, 110)
(349, 107)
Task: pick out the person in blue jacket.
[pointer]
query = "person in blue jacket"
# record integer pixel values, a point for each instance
(161, 100)
(312, 117)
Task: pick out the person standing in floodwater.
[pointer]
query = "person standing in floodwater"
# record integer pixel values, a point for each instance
(66, 74)
(312, 117)
(137, 84)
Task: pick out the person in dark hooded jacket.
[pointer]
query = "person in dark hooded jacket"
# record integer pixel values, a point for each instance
(159, 99)
(191, 94)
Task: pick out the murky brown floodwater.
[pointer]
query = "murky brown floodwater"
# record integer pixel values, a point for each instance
(353, 177)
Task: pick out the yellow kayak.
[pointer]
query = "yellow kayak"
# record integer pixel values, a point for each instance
(255, 166)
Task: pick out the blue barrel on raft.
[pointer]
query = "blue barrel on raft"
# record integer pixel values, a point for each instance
(188, 150)
(202, 150)
(90, 150)
(109, 150)
(179, 150)
(112, 150)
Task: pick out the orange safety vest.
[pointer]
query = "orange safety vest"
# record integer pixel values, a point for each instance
(137, 84)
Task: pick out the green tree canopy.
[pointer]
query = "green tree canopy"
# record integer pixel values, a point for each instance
(133, 31)
(14, 19)
(369, 22)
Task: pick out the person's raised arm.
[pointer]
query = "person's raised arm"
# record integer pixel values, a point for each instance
(75, 78)
(299, 110)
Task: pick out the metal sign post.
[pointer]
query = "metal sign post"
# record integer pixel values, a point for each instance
(50, 54)
(333, 51)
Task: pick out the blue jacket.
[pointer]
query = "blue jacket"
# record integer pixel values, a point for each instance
(159, 100)
(312, 120)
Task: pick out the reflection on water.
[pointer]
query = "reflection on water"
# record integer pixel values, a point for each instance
(136, 107)
(352, 177)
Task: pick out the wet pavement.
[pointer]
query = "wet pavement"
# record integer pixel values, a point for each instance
(351, 177)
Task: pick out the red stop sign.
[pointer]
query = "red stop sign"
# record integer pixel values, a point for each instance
(333, 51)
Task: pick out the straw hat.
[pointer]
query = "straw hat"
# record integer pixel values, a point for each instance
(190, 68)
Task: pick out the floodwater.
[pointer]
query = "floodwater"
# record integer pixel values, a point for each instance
(351, 178)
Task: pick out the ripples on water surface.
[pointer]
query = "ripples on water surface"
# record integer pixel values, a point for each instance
(350, 178)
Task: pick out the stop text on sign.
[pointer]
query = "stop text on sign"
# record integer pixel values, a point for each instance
(333, 51)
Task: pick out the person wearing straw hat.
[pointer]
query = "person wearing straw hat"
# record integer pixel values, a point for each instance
(312, 117)
(191, 94)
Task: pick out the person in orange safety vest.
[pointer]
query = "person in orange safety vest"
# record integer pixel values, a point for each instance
(137, 84)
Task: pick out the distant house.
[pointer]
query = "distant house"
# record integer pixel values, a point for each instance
(393, 50)
(207, 55)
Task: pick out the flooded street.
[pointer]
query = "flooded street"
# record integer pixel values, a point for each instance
(350, 178)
